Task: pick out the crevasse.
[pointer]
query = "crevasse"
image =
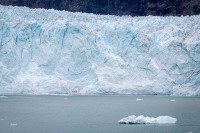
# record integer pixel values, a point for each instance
(59, 52)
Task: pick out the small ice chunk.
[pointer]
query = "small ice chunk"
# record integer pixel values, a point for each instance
(147, 120)
(13, 124)
(138, 99)
(65, 98)
(172, 100)
(3, 97)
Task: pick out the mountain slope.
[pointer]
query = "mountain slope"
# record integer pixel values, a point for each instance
(116, 7)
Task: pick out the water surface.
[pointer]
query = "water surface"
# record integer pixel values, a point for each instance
(96, 114)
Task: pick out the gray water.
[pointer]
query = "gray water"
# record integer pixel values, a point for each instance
(95, 114)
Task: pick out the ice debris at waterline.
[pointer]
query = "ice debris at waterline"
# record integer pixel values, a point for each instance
(147, 120)
(60, 52)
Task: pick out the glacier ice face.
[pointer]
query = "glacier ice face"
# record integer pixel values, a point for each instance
(59, 52)
(147, 120)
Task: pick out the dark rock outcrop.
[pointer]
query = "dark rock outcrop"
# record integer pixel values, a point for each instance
(116, 7)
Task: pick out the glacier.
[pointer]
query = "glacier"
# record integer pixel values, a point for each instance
(59, 52)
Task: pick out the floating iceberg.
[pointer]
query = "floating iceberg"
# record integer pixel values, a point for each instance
(147, 120)
(59, 52)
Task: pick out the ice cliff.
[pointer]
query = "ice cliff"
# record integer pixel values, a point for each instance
(59, 52)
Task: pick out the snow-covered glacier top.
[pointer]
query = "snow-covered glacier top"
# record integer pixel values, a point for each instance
(59, 52)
